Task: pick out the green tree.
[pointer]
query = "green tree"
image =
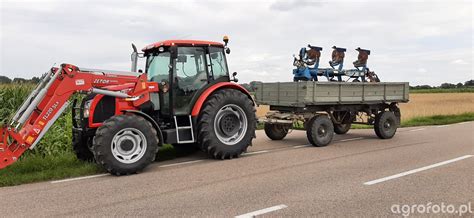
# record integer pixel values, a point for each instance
(4, 79)
(469, 83)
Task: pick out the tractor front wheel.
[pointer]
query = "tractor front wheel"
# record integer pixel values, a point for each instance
(226, 124)
(81, 146)
(125, 144)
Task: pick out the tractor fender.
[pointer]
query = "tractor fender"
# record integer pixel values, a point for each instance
(151, 120)
(222, 85)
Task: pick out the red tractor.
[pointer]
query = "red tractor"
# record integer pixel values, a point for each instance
(185, 96)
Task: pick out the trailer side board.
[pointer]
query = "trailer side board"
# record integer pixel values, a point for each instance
(300, 94)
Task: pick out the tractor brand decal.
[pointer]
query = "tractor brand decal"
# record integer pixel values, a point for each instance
(104, 81)
(101, 81)
(50, 110)
(80, 82)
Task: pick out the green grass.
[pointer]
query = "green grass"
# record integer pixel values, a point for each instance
(438, 120)
(35, 169)
(438, 90)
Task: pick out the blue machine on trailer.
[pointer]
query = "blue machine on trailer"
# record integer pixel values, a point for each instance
(307, 66)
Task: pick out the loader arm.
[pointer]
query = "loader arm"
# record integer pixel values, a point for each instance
(51, 97)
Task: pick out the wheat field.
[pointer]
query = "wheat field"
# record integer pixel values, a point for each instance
(425, 104)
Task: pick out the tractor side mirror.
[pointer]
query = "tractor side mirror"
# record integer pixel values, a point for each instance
(174, 51)
(233, 77)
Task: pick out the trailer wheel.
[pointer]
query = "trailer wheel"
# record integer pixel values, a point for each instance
(345, 119)
(341, 129)
(81, 146)
(226, 124)
(276, 131)
(320, 130)
(125, 144)
(385, 124)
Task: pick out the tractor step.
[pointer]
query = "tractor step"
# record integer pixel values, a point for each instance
(184, 129)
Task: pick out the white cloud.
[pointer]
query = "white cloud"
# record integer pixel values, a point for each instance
(458, 61)
(422, 70)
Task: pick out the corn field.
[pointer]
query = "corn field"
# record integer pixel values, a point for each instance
(57, 140)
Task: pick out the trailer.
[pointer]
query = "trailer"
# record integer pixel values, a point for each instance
(325, 108)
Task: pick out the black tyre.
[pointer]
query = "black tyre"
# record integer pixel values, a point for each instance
(386, 124)
(345, 118)
(226, 124)
(320, 131)
(81, 146)
(125, 144)
(341, 129)
(276, 131)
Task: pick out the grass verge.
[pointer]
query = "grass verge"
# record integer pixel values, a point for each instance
(36, 168)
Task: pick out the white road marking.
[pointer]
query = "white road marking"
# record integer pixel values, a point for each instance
(417, 170)
(262, 211)
(352, 139)
(182, 163)
(302, 146)
(461, 123)
(414, 130)
(78, 178)
(255, 152)
(441, 126)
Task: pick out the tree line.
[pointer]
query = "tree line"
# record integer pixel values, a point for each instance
(6, 80)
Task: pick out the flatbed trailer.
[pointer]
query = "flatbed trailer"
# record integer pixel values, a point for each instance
(325, 108)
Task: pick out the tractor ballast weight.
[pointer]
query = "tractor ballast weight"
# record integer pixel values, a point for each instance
(185, 96)
(307, 67)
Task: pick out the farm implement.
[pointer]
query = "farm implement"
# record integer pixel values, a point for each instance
(307, 66)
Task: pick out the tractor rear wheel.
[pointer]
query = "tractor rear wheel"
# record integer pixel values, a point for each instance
(81, 146)
(125, 144)
(226, 124)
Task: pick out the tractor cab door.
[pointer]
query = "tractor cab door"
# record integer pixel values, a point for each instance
(190, 75)
(158, 70)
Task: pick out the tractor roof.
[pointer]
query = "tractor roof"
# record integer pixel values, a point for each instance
(182, 42)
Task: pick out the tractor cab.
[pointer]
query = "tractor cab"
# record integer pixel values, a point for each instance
(182, 69)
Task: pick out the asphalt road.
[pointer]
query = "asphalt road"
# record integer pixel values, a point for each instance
(357, 175)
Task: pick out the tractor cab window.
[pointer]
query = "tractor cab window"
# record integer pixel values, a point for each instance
(158, 70)
(189, 77)
(218, 62)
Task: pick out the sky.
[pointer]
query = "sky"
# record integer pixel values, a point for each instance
(421, 42)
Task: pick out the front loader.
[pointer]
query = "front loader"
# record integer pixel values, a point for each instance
(185, 96)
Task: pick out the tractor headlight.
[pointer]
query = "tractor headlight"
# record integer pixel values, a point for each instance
(87, 106)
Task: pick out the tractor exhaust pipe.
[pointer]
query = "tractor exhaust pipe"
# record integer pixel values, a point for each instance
(134, 58)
